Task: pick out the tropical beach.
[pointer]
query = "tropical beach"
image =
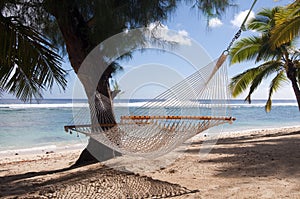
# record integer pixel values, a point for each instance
(149, 99)
(253, 164)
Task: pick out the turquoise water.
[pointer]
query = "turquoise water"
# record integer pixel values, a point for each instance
(284, 113)
(36, 125)
(24, 125)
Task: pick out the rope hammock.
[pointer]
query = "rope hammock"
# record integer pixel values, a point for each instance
(165, 122)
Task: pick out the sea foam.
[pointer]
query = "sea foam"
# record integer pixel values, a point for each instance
(24, 106)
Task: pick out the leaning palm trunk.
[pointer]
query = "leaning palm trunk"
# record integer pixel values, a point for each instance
(291, 74)
(297, 92)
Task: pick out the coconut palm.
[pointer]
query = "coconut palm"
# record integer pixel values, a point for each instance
(28, 62)
(280, 63)
(287, 24)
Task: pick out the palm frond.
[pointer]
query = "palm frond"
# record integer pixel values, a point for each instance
(240, 82)
(245, 49)
(275, 84)
(28, 62)
(268, 13)
(263, 21)
(265, 52)
(287, 25)
(286, 32)
(265, 70)
(258, 25)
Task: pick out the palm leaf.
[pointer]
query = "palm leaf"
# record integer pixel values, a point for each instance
(266, 53)
(276, 83)
(240, 82)
(258, 25)
(265, 70)
(245, 49)
(286, 32)
(28, 62)
(263, 21)
(287, 25)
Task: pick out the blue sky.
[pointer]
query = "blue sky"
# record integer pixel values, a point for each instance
(214, 40)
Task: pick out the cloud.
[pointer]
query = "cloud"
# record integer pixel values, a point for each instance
(240, 17)
(214, 22)
(183, 33)
(163, 32)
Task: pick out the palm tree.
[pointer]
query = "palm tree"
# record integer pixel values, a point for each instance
(287, 24)
(29, 63)
(280, 63)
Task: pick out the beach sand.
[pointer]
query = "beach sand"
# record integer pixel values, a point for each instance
(253, 164)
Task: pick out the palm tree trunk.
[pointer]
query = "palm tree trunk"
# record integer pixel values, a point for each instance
(296, 91)
(291, 74)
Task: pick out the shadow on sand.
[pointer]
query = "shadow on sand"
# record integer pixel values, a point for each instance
(257, 155)
(92, 181)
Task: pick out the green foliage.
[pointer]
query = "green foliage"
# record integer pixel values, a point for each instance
(240, 82)
(275, 84)
(245, 49)
(28, 62)
(265, 70)
(287, 25)
(259, 49)
(211, 8)
(31, 37)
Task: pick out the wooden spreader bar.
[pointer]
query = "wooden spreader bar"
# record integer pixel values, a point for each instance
(147, 117)
(70, 127)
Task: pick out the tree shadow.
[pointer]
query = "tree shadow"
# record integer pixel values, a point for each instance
(8, 179)
(93, 181)
(256, 155)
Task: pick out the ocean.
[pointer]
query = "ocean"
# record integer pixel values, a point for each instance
(39, 126)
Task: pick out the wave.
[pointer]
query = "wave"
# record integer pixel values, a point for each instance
(130, 104)
(25, 106)
(262, 105)
(141, 103)
(199, 105)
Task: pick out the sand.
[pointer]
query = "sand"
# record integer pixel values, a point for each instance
(253, 164)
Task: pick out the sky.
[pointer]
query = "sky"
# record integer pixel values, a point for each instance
(213, 36)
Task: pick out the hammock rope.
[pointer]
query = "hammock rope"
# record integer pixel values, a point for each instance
(197, 103)
(242, 27)
(188, 108)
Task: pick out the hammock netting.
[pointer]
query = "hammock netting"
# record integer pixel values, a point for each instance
(188, 108)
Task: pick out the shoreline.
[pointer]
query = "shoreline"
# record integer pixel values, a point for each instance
(79, 145)
(40, 150)
(257, 130)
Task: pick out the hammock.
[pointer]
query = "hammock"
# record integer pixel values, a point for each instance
(167, 121)
(164, 123)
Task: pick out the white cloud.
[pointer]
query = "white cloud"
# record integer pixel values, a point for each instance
(240, 17)
(214, 22)
(183, 33)
(163, 32)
